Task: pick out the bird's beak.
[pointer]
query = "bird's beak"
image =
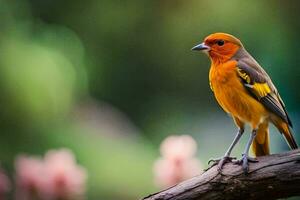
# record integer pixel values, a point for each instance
(201, 47)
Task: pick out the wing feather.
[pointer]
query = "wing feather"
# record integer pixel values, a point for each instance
(260, 86)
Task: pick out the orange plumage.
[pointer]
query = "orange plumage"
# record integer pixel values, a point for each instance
(245, 91)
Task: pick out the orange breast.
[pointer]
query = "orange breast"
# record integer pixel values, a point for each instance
(233, 96)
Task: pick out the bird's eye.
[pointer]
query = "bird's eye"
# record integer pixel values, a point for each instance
(220, 42)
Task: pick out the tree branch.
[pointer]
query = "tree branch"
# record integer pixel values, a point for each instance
(274, 176)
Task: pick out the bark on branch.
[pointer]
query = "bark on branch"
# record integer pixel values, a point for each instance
(275, 176)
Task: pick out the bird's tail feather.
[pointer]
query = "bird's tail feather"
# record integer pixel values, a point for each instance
(260, 145)
(284, 128)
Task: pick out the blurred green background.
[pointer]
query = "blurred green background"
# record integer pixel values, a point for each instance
(111, 79)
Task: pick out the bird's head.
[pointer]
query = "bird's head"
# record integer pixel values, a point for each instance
(219, 46)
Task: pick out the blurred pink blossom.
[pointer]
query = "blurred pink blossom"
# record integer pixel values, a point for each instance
(57, 176)
(64, 178)
(178, 161)
(5, 185)
(174, 147)
(29, 177)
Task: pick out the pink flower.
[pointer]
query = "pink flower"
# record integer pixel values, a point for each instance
(5, 185)
(177, 162)
(29, 177)
(174, 147)
(57, 176)
(64, 178)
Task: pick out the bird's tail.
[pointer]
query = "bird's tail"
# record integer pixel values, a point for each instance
(284, 128)
(260, 145)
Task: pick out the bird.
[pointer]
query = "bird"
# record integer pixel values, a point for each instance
(246, 92)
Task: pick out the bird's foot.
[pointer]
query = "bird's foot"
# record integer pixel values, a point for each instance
(221, 161)
(244, 161)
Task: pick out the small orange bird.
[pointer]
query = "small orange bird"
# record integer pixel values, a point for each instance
(245, 91)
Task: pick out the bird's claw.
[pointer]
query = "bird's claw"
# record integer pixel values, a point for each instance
(221, 161)
(244, 161)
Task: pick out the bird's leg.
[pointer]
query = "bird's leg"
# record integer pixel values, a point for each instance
(226, 158)
(244, 161)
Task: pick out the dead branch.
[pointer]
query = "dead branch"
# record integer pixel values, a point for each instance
(275, 176)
